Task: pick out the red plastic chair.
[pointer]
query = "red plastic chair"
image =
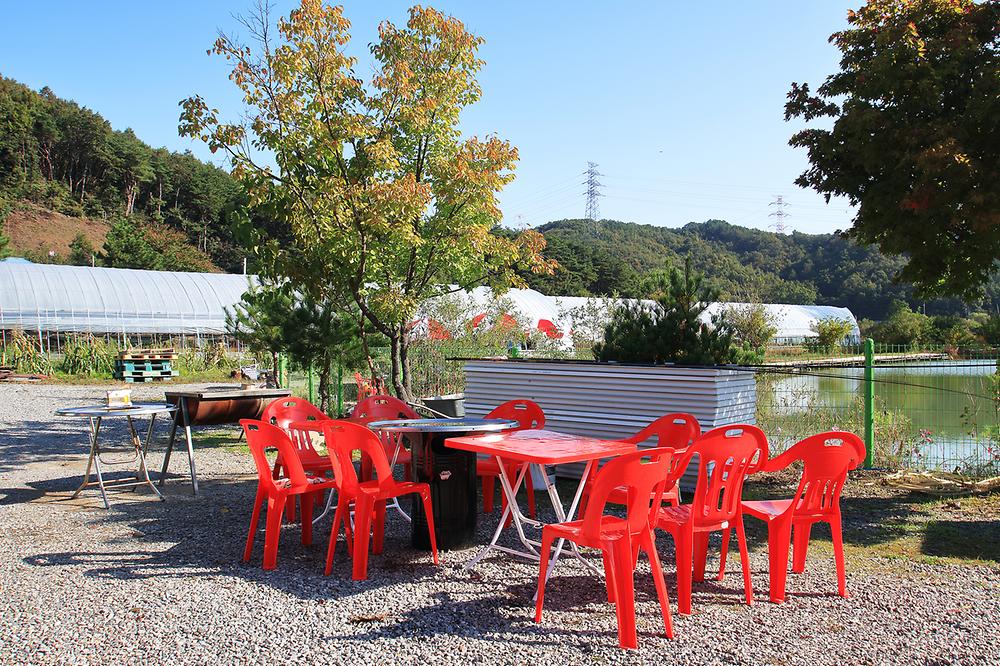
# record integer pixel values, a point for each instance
(284, 411)
(368, 387)
(827, 458)
(529, 416)
(369, 497)
(676, 431)
(726, 455)
(644, 475)
(385, 407)
(261, 437)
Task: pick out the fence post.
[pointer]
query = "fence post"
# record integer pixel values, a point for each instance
(869, 387)
(340, 388)
(312, 395)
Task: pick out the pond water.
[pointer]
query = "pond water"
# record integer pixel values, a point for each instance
(932, 414)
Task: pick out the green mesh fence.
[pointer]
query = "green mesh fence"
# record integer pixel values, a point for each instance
(932, 409)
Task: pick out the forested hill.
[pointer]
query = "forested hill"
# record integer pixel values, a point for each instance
(608, 256)
(144, 207)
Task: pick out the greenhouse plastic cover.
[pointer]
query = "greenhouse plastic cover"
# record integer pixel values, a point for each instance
(51, 297)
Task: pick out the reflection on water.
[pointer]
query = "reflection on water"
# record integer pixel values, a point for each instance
(945, 411)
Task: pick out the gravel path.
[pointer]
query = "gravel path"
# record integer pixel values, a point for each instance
(163, 583)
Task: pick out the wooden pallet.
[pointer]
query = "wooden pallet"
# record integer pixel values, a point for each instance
(135, 366)
(136, 380)
(147, 354)
(147, 373)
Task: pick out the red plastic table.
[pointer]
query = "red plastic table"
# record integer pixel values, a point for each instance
(537, 447)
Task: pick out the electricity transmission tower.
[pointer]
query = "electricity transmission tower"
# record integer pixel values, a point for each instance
(779, 214)
(593, 208)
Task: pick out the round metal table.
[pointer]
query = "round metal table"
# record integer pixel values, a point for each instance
(451, 474)
(94, 415)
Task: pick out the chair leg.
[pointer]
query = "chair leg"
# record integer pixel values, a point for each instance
(544, 553)
(724, 552)
(684, 551)
(378, 527)
(741, 541)
(291, 510)
(254, 519)
(408, 471)
(272, 531)
(425, 496)
(838, 555)
(800, 544)
(487, 494)
(700, 555)
(307, 500)
(778, 536)
(656, 569)
(340, 515)
(625, 580)
(362, 533)
(609, 575)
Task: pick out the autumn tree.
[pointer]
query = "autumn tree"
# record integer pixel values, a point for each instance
(384, 202)
(915, 136)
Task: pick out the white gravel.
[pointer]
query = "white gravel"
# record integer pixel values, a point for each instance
(152, 582)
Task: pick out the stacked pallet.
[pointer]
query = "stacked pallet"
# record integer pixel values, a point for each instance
(145, 365)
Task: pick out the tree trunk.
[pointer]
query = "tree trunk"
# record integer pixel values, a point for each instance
(404, 361)
(396, 373)
(324, 385)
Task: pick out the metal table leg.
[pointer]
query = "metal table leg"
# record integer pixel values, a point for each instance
(170, 445)
(140, 448)
(190, 445)
(93, 462)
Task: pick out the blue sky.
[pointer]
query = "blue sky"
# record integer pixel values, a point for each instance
(680, 103)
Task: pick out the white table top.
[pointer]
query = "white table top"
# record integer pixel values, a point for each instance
(101, 411)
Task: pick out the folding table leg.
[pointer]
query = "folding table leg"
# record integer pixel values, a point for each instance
(511, 509)
(190, 446)
(97, 463)
(563, 517)
(143, 469)
(170, 443)
(92, 436)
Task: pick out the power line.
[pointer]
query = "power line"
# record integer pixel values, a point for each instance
(593, 207)
(779, 214)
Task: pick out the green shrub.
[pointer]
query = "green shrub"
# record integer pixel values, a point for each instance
(24, 353)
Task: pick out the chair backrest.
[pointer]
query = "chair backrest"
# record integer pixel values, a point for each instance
(262, 436)
(827, 458)
(383, 407)
(527, 413)
(342, 440)
(676, 431)
(283, 411)
(644, 474)
(726, 455)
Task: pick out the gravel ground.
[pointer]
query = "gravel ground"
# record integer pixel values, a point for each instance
(163, 583)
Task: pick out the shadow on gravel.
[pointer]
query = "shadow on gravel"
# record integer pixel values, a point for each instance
(192, 536)
(964, 539)
(508, 617)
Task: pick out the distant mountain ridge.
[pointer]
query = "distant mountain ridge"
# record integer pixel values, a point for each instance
(610, 256)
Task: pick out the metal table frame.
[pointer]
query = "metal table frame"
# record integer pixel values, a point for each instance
(139, 446)
(182, 417)
(519, 520)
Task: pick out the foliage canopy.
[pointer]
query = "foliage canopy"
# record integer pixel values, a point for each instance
(385, 204)
(915, 137)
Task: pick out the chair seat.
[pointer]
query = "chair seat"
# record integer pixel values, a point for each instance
(487, 467)
(395, 490)
(670, 516)
(314, 483)
(620, 495)
(766, 509)
(612, 527)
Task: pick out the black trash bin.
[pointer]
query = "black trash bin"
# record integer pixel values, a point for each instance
(450, 473)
